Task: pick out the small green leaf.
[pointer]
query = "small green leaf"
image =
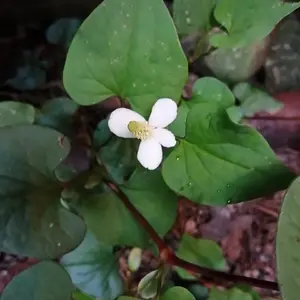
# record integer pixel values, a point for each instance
(101, 134)
(248, 289)
(134, 259)
(245, 21)
(287, 243)
(177, 292)
(192, 16)
(205, 253)
(77, 295)
(211, 90)
(206, 89)
(16, 113)
(33, 222)
(232, 294)
(45, 280)
(199, 291)
(130, 54)
(221, 162)
(119, 158)
(94, 269)
(147, 191)
(127, 298)
(57, 114)
(62, 31)
(148, 286)
(254, 100)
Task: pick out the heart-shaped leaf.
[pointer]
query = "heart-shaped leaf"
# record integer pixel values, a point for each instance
(147, 191)
(33, 222)
(245, 21)
(288, 243)
(130, 54)
(16, 113)
(45, 280)
(222, 162)
(94, 269)
(205, 253)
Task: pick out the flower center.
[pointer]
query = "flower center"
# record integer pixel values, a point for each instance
(141, 130)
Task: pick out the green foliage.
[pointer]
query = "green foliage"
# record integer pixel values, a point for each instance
(245, 21)
(134, 259)
(205, 253)
(177, 292)
(192, 16)
(16, 113)
(94, 269)
(33, 222)
(101, 134)
(134, 54)
(45, 280)
(148, 193)
(149, 285)
(77, 295)
(254, 100)
(232, 294)
(62, 31)
(219, 161)
(57, 113)
(287, 243)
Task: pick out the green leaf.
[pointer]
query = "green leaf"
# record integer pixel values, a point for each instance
(192, 16)
(77, 295)
(177, 292)
(245, 21)
(134, 54)
(147, 191)
(33, 222)
(16, 113)
(199, 291)
(205, 253)
(119, 158)
(221, 162)
(101, 134)
(57, 114)
(206, 89)
(149, 284)
(62, 31)
(287, 243)
(254, 100)
(127, 298)
(45, 280)
(232, 294)
(94, 269)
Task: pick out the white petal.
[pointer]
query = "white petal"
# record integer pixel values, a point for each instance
(164, 112)
(119, 120)
(150, 154)
(165, 137)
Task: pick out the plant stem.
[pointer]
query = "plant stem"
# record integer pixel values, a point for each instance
(167, 255)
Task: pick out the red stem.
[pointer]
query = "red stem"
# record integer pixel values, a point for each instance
(167, 255)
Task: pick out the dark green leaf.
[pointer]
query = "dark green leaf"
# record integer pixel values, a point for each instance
(192, 16)
(101, 134)
(33, 222)
(62, 31)
(287, 243)
(46, 280)
(94, 269)
(177, 292)
(134, 54)
(57, 114)
(16, 113)
(232, 294)
(199, 291)
(205, 253)
(222, 162)
(127, 298)
(246, 22)
(148, 193)
(254, 100)
(179, 125)
(119, 158)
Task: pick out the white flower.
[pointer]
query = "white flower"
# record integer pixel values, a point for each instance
(126, 123)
